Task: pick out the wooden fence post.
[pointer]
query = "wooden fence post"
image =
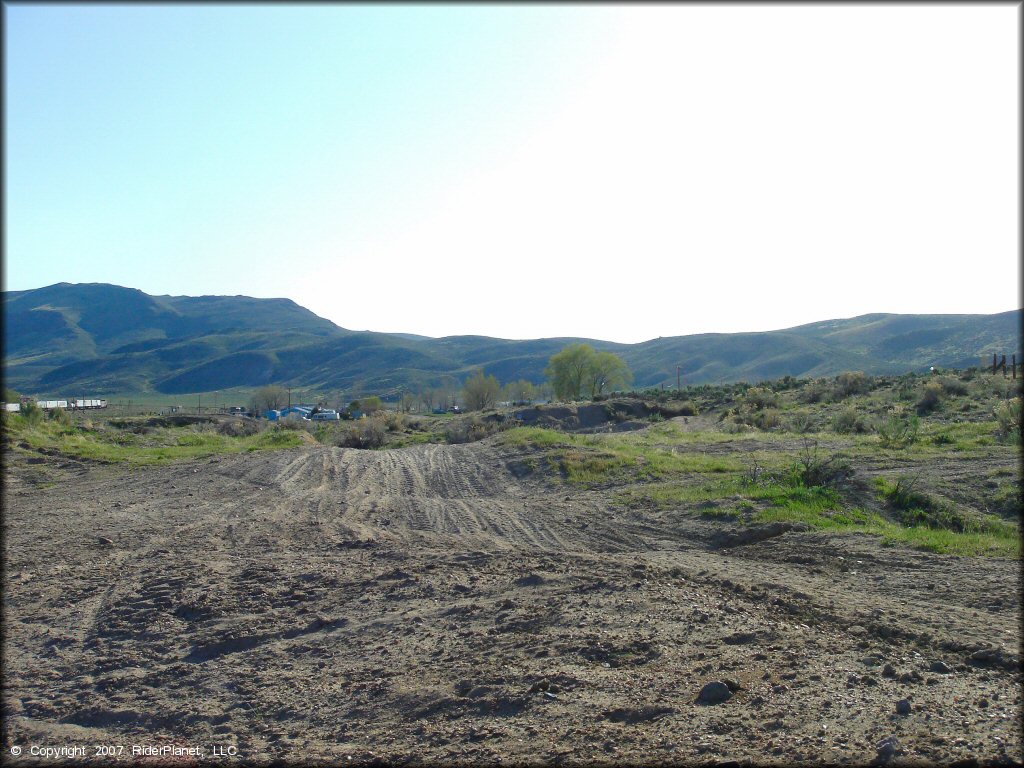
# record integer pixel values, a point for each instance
(994, 363)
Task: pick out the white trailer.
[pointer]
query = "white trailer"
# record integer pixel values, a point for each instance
(90, 403)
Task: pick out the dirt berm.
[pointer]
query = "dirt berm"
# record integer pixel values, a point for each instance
(618, 415)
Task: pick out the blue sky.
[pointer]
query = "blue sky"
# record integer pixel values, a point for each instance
(603, 171)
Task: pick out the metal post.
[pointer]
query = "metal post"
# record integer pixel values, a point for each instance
(1013, 367)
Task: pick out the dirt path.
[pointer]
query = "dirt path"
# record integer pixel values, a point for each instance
(430, 604)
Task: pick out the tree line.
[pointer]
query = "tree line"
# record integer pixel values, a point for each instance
(577, 372)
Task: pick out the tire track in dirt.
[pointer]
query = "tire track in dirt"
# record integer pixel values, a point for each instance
(429, 495)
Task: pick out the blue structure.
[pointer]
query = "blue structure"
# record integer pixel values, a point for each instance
(300, 411)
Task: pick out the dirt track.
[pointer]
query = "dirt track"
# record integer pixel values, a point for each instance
(430, 604)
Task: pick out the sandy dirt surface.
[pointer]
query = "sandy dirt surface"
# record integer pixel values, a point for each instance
(434, 604)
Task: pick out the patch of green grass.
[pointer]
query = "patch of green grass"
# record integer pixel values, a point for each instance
(154, 447)
(590, 459)
(952, 543)
(996, 543)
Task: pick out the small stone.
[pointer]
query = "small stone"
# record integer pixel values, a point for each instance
(983, 703)
(889, 671)
(886, 750)
(940, 667)
(902, 707)
(104, 541)
(714, 692)
(740, 638)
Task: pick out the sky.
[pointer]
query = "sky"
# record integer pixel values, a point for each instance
(616, 172)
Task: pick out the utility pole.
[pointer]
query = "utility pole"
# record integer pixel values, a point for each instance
(289, 397)
(677, 377)
(200, 409)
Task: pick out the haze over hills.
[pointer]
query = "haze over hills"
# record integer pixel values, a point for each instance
(104, 338)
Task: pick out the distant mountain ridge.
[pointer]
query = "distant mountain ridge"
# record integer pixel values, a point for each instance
(106, 338)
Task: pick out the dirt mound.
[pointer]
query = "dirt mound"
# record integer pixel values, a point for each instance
(620, 414)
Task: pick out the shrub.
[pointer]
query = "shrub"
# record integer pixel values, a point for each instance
(813, 392)
(953, 387)
(60, 416)
(897, 432)
(931, 396)
(814, 471)
(31, 414)
(364, 433)
(1008, 420)
(906, 387)
(801, 423)
(239, 427)
(475, 427)
(848, 420)
(766, 420)
(851, 383)
(392, 420)
(760, 398)
(469, 430)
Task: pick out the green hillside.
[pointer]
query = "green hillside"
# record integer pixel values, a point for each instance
(105, 338)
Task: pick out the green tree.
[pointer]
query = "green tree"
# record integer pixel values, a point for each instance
(579, 370)
(368, 405)
(480, 392)
(519, 391)
(270, 398)
(567, 371)
(607, 371)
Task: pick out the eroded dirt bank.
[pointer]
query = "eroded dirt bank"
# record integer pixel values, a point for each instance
(429, 604)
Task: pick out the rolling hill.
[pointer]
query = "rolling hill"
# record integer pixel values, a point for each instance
(104, 338)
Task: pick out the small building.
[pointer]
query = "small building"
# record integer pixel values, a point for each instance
(12, 407)
(272, 415)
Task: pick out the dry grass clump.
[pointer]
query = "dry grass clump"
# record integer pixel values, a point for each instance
(850, 421)
(851, 383)
(364, 433)
(240, 427)
(931, 397)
